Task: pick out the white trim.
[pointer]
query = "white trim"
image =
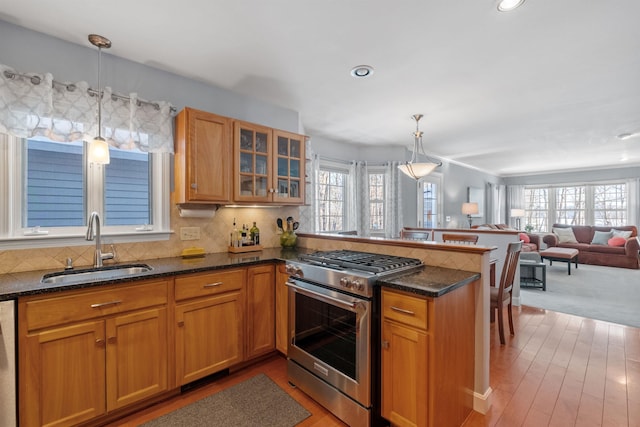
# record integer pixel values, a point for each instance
(482, 402)
(33, 242)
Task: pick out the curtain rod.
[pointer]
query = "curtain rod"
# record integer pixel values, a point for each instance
(36, 80)
(350, 162)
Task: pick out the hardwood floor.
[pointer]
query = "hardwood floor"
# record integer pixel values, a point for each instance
(558, 370)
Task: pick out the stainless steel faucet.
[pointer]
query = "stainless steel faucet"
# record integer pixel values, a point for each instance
(98, 256)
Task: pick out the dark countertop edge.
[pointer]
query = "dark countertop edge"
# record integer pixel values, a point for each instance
(431, 281)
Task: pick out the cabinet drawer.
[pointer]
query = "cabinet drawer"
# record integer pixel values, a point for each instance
(90, 304)
(405, 309)
(197, 285)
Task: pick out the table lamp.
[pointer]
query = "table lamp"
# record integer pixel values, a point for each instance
(469, 209)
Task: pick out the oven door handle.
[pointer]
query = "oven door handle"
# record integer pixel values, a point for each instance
(326, 298)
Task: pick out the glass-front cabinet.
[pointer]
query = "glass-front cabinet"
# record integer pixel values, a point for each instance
(269, 165)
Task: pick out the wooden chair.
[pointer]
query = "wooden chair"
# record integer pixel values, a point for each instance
(468, 239)
(409, 234)
(501, 295)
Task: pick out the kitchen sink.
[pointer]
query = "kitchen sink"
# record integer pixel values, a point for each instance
(94, 274)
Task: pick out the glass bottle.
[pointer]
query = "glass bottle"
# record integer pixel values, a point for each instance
(255, 234)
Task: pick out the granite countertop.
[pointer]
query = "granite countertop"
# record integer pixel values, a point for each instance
(430, 281)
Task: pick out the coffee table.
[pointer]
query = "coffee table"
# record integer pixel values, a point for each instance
(567, 255)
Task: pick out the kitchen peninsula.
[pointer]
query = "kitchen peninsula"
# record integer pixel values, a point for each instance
(167, 307)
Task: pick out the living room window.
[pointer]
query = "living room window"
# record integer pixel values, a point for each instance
(376, 202)
(331, 209)
(587, 204)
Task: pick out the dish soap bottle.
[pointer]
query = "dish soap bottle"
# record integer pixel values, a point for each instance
(255, 234)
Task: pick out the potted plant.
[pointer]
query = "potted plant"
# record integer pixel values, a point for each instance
(528, 228)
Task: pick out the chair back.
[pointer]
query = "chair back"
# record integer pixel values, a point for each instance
(409, 234)
(468, 239)
(509, 270)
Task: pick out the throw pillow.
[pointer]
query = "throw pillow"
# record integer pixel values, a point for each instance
(565, 235)
(617, 241)
(625, 234)
(525, 238)
(601, 237)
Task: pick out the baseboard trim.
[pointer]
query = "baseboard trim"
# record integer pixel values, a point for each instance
(482, 402)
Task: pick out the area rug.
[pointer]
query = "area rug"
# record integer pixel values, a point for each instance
(596, 292)
(255, 402)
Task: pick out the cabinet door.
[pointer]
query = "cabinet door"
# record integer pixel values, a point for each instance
(136, 356)
(209, 336)
(288, 167)
(64, 381)
(252, 163)
(282, 309)
(404, 375)
(202, 157)
(260, 310)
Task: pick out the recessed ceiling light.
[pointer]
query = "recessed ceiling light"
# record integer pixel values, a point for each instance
(362, 71)
(509, 5)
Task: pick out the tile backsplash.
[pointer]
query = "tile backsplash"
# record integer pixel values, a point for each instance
(214, 237)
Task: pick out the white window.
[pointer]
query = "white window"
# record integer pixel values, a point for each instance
(376, 202)
(586, 204)
(51, 190)
(332, 197)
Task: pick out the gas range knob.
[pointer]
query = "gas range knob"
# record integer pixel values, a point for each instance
(345, 282)
(292, 270)
(357, 284)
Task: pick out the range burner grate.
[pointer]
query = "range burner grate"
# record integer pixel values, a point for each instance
(364, 261)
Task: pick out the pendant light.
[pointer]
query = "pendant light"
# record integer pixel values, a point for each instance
(98, 147)
(413, 168)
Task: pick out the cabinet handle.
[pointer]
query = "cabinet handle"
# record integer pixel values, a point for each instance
(104, 304)
(403, 311)
(212, 285)
(111, 340)
(385, 344)
(194, 186)
(181, 323)
(100, 342)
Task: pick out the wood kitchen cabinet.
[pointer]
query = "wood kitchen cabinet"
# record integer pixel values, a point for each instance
(269, 165)
(203, 168)
(428, 357)
(261, 336)
(209, 323)
(86, 353)
(282, 308)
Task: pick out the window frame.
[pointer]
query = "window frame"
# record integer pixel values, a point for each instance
(436, 179)
(14, 236)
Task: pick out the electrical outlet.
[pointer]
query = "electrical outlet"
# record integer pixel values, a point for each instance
(448, 218)
(189, 233)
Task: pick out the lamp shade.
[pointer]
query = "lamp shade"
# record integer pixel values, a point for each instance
(417, 170)
(517, 213)
(470, 208)
(98, 151)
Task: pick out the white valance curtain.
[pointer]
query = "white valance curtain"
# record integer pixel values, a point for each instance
(37, 105)
(515, 199)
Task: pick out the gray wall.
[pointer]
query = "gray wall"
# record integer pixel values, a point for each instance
(28, 51)
(575, 177)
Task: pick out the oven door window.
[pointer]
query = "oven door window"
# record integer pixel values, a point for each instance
(327, 332)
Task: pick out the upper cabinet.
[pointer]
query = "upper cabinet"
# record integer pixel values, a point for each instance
(221, 160)
(269, 165)
(202, 158)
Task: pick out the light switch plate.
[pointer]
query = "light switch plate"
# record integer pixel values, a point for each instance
(189, 233)
(448, 218)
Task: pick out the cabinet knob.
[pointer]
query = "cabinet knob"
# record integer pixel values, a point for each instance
(385, 344)
(100, 342)
(194, 186)
(181, 323)
(111, 340)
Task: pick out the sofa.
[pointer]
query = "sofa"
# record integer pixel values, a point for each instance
(530, 242)
(598, 245)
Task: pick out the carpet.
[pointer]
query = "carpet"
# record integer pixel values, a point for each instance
(255, 402)
(596, 292)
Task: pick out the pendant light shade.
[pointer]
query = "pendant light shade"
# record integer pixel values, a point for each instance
(98, 151)
(413, 168)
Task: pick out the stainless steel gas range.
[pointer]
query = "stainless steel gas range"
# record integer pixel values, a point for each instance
(333, 329)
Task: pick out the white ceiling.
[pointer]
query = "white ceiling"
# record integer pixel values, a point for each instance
(546, 87)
